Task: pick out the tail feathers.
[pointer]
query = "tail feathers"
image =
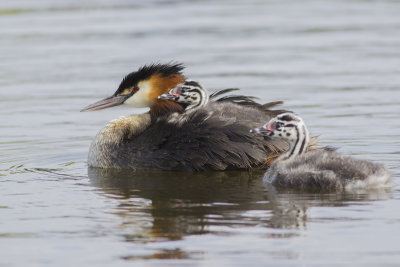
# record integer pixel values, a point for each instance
(223, 91)
(244, 100)
(239, 99)
(267, 107)
(271, 104)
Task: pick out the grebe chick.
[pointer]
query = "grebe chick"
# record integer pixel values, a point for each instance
(321, 169)
(210, 137)
(190, 94)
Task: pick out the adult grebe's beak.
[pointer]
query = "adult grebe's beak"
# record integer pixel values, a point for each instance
(108, 102)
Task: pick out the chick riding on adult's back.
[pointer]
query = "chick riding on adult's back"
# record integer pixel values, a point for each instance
(213, 136)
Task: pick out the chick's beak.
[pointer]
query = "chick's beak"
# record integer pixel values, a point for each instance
(168, 96)
(267, 129)
(107, 103)
(173, 95)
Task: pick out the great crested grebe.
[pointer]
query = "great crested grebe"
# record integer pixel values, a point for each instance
(211, 137)
(321, 169)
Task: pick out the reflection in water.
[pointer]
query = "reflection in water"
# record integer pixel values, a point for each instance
(172, 204)
(157, 205)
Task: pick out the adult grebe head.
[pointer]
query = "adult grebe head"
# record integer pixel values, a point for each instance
(190, 94)
(142, 88)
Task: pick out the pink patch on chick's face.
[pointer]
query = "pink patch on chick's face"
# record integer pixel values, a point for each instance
(270, 127)
(176, 91)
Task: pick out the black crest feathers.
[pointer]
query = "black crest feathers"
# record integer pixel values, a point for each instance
(147, 71)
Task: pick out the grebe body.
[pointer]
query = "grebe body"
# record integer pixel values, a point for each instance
(173, 135)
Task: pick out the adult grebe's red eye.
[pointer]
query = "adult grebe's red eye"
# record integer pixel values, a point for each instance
(135, 89)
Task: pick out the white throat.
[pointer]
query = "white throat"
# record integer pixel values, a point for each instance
(141, 98)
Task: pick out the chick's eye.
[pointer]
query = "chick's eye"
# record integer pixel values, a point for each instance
(135, 89)
(278, 125)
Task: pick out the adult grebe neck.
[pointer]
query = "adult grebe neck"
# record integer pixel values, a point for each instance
(162, 107)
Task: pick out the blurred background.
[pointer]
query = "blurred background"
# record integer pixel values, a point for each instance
(335, 63)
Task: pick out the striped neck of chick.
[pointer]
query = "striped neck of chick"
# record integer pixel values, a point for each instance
(290, 128)
(189, 94)
(141, 89)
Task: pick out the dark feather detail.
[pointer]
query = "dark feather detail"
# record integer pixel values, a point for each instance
(269, 105)
(239, 99)
(223, 91)
(244, 100)
(329, 148)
